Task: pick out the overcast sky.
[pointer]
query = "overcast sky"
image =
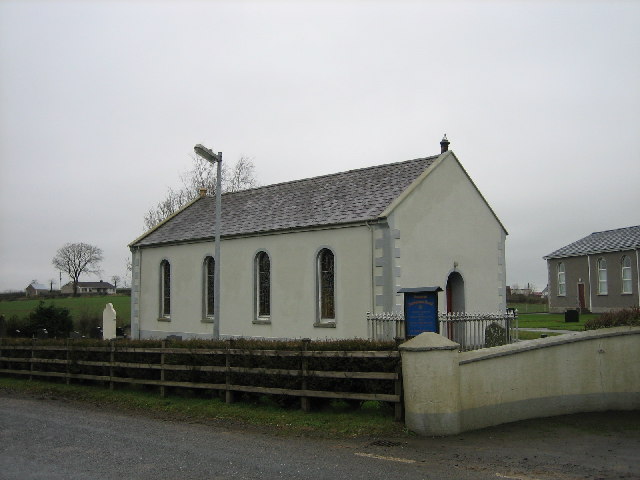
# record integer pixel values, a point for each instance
(101, 104)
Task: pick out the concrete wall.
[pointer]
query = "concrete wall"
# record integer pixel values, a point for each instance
(447, 392)
(293, 286)
(446, 226)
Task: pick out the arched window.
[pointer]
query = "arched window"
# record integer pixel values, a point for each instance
(263, 285)
(562, 283)
(209, 286)
(602, 277)
(165, 289)
(627, 284)
(326, 285)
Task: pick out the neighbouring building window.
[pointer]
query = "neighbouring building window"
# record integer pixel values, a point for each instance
(209, 286)
(602, 277)
(626, 275)
(562, 284)
(165, 289)
(326, 285)
(263, 285)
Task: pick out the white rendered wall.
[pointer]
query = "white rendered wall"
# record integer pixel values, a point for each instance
(293, 286)
(445, 226)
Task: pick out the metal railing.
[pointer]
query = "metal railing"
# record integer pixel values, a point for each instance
(471, 331)
(385, 326)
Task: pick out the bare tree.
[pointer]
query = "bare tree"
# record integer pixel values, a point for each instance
(76, 259)
(239, 176)
(115, 279)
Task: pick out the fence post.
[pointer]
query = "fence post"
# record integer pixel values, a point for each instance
(68, 373)
(228, 395)
(33, 342)
(112, 357)
(398, 408)
(162, 389)
(305, 402)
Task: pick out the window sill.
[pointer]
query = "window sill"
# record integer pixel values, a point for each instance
(325, 324)
(262, 321)
(164, 319)
(207, 320)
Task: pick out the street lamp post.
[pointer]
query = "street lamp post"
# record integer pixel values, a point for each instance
(209, 156)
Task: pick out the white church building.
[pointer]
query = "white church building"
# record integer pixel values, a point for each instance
(309, 258)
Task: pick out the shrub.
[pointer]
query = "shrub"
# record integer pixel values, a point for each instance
(615, 318)
(56, 320)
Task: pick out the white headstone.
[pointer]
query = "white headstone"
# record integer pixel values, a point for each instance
(109, 322)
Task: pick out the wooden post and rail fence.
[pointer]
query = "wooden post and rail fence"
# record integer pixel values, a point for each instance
(307, 374)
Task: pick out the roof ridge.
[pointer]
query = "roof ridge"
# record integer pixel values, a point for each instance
(361, 169)
(615, 229)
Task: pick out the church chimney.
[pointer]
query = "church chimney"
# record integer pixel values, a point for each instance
(444, 144)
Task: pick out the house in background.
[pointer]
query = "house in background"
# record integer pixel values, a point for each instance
(597, 273)
(90, 288)
(35, 289)
(310, 258)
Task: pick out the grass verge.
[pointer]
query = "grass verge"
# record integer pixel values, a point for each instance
(522, 335)
(337, 420)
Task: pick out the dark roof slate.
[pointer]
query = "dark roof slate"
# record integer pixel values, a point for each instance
(352, 196)
(627, 238)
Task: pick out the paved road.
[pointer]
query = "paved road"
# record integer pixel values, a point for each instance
(50, 439)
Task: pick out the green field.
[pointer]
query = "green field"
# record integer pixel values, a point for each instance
(553, 321)
(91, 307)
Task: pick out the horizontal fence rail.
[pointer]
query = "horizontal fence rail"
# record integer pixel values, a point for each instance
(471, 331)
(304, 374)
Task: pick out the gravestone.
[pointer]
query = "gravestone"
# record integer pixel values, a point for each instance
(108, 322)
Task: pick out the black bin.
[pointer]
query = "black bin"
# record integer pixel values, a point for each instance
(572, 316)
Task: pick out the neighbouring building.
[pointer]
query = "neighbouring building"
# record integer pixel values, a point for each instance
(597, 273)
(90, 288)
(309, 258)
(35, 289)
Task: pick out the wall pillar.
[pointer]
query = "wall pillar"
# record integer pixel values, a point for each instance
(431, 383)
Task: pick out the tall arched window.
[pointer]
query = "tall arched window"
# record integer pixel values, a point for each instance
(562, 283)
(326, 285)
(209, 286)
(263, 285)
(165, 289)
(602, 277)
(627, 284)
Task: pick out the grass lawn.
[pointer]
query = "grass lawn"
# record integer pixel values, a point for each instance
(554, 321)
(530, 307)
(335, 421)
(78, 306)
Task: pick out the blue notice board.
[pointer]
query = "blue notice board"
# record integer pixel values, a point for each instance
(420, 310)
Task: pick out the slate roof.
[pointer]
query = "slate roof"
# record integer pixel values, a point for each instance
(92, 284)
(347, 197)
(599, 242)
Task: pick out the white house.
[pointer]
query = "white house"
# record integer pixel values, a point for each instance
(310, 258)
(90, 288)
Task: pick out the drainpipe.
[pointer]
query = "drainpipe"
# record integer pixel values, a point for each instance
(590, 289)
(638, 274)
(373, 261)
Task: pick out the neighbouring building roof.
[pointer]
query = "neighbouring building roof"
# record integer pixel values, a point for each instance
(92, 284)
(347, 197)
(627, 238)
(38, 286)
